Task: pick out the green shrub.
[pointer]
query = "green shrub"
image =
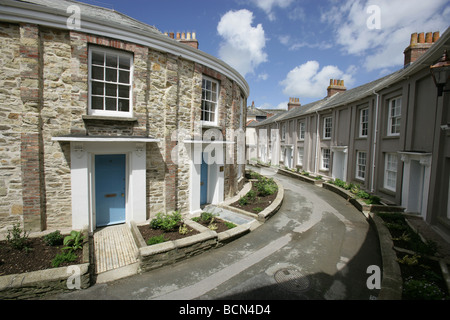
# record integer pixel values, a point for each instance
(156, 240)
(206, 217)
(362, 194)
(258, 209)
(243, 201)
(266, 186)
(166, 222)
(54, 239)
(16, 239)
(422, 290)
(60, 258)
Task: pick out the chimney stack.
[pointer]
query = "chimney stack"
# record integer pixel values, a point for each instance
(335, 87)
(418, 45)
(293, 103)
(189, 38)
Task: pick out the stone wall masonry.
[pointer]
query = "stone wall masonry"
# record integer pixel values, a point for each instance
(44, 94)
(11, 206)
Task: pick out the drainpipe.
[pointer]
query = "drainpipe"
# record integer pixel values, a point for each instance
(316, 164)
(375, 134)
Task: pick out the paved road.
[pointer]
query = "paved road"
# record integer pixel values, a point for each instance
(317, 246)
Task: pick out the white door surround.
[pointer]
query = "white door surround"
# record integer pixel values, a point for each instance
(416, 181)
(82, 155)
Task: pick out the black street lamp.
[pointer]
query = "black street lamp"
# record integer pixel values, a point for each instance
(440, 72)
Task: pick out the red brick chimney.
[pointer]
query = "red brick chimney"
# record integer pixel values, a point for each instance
(189, 38)
(418, 45)
(335, 87)
(293, 103)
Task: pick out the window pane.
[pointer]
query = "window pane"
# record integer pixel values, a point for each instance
(124, 91)
(124, 105)
(111, 75)
(111, 90)
(124, 76)
(110, 104)
(111, 60)
(124, 63)
(97, 103)
(97, 88)
(98, 58)
(97, 73)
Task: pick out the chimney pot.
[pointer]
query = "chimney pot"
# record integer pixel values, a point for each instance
(435, 36)
(421, 38)
(171, 35)
(429, 37)
(413, 41)
(183, 36)
(188, 36)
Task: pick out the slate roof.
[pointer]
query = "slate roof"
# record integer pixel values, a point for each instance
(96, 12)
(366, 90)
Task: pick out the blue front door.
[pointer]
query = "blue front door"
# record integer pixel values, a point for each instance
(110, 189)
(203, 181)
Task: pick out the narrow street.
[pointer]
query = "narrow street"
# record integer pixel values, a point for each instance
(317, 246)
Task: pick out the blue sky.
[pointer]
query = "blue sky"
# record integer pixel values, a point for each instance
(291, 48)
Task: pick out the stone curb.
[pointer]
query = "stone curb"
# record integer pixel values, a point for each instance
(391, 285)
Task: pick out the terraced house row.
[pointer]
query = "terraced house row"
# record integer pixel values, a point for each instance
(104, 119)
(391, 136)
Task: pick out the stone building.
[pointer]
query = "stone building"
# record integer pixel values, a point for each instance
(390, 136)
(104, 119)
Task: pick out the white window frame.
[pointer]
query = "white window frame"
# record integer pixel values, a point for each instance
(394, 116)
(301, 130)
(390, 171)
(326, 157)
(361, 165)
(91, 80)
(211, 98)
(300, 153)
(364, 123)
(327, 127)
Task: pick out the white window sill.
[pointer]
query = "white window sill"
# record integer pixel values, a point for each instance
(108, 118)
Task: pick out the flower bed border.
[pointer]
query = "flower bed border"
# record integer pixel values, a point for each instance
(39, 283)
(169, 252)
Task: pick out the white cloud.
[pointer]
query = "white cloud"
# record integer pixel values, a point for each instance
(263, 76)
(243, 46)
(383, 47)
(268, 5)
(309, 81)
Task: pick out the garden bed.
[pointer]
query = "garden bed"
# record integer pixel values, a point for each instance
(421, 272)
(32, 254)
(261, 195)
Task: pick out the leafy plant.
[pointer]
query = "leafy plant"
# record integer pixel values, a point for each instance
(409, 261)
(258, 209)
(156, 240)
(212, 226)
(54, 239)
(266, 186)
(229, 225)
(60, 258)
(166, 222)
(183, 229)
(16, 239)
(74, 241)
(243, 200)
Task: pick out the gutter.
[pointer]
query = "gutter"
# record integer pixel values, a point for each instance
(375, 135)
